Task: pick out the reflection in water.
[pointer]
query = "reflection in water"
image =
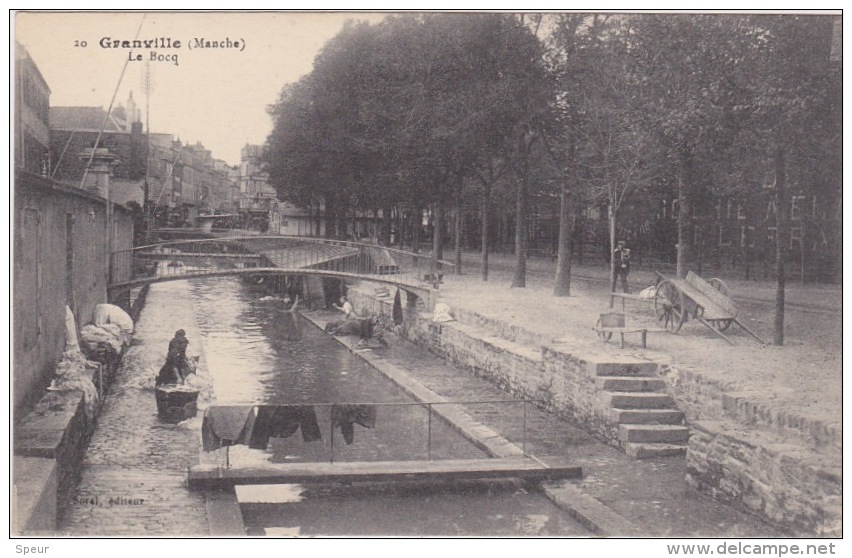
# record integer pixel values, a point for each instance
(259, 353)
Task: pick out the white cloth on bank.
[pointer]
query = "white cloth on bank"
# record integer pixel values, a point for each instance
(112, 314)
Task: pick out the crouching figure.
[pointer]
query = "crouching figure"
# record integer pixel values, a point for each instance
(177, 366)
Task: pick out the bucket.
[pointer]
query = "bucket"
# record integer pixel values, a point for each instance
(176, 403)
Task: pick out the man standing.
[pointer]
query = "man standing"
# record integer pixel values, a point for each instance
(621, 261)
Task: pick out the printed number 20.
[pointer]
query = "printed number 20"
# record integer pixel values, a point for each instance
(80, 44)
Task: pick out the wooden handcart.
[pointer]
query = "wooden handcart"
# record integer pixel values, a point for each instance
(676, 300)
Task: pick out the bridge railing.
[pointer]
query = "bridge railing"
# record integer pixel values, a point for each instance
(195, 256)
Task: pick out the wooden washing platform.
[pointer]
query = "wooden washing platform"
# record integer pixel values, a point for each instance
(205, 476)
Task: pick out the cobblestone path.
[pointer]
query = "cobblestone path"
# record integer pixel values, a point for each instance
(133, 478)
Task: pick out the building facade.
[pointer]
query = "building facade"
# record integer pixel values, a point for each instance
(258, 206)
(32, 106)
(74, 131)
(185, 181)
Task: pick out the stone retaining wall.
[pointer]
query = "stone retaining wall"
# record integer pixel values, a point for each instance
(559, 381)
(734, 453)
(702, 398)
(58, 429)
(781, 482)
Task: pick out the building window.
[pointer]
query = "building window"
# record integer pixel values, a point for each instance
(741, 214)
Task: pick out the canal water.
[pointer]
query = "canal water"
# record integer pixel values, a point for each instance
(259, 353)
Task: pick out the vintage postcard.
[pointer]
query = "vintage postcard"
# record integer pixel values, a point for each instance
(445, 274)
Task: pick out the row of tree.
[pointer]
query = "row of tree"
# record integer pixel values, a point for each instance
(425, 110)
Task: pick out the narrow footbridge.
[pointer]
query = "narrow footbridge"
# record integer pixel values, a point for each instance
(525, 467)
(254, 256)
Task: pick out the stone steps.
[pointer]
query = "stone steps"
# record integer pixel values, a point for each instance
(647, 416)
(645, 369)
(649, 424)
(653, 433)
(645, 451)
(639, 400)
(628, 383)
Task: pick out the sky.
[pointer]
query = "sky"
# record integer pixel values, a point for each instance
(214, 96)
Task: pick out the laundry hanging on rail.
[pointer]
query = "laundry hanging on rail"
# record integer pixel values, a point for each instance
(282, 421)
(346, 416)
(225, 426)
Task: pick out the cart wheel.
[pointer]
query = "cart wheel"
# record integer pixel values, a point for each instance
(669, 306)
(603, 335)
(720, 286)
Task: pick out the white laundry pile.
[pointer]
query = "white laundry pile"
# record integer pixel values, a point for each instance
(112, 314)
(70, 376)
(442, 313)
(110, 334)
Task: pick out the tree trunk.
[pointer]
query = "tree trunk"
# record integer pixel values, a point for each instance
(386, 225)
(438, 233)
(319, 220)
(485, 199)
(611, 219)
(417, 228)
(330, 217)
(400, 227)
(781, 239)
(562, 285)
(458, 227)
(684, 226)
(520, 279)
(500, 231)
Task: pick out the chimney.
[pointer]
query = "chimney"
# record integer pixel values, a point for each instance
(97, 179)
(131, 109)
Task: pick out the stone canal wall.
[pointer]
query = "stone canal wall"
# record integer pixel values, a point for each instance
(785, 483)
(782, 468)
(555, 376)
(59, 261)
(49, 444)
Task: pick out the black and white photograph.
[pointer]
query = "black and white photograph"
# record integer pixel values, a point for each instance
(432, 274)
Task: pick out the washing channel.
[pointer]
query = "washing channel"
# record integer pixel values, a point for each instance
(258, 353)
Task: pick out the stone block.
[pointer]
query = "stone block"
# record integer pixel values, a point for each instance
(638, 400)
(34, 495)
(650, 433)
(646, 416)
(630, 383)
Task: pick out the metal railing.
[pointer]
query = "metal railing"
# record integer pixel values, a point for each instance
(429, 405)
